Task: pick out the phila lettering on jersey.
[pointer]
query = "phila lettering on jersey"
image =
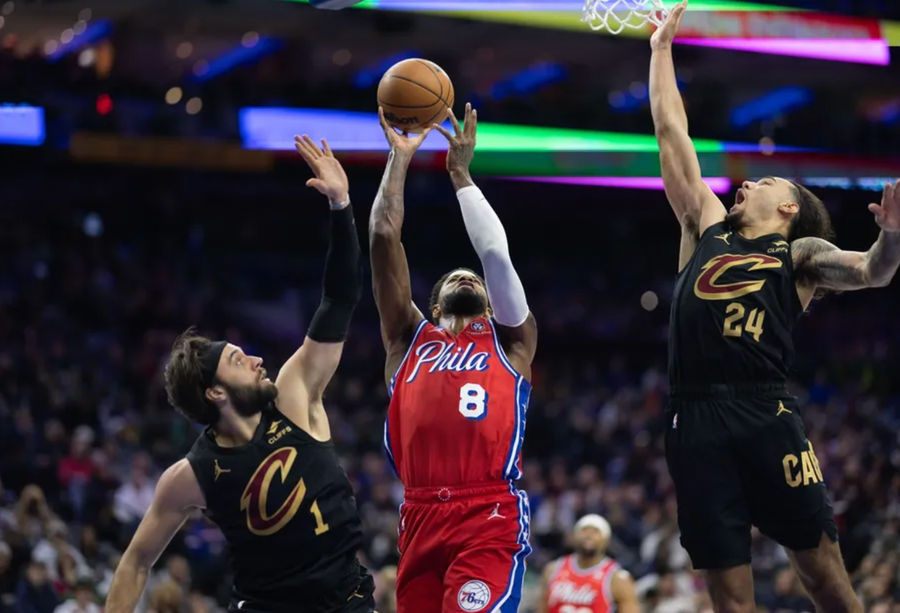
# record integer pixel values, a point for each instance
(581, 590)
(457, 410)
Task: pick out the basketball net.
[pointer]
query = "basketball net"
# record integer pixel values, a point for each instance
(616, 15)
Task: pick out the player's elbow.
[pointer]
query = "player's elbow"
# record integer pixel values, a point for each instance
(663, 127)
(383, 229)
(493, 254)
(683, 200)
(876, 276)
(666, 127)
(880, 281)
(136, 560)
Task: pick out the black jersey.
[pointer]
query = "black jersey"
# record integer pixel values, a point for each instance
(288, 513)
(733, 311)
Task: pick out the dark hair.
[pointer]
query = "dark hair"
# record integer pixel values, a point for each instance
(436, 290)
(184, 378)
(812, 219)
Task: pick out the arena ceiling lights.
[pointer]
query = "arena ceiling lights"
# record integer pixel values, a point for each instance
(739, 26)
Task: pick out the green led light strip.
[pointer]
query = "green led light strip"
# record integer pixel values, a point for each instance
(514, 138)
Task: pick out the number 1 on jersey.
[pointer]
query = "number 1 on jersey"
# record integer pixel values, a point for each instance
(473, 401)
(321, 526)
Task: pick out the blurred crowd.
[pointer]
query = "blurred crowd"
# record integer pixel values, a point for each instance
(96, 287)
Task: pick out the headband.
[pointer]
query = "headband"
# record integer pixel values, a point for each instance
(594, 521)
(209, 361)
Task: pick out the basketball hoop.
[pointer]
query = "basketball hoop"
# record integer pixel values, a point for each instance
(616, 15)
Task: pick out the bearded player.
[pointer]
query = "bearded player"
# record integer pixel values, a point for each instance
(587, 581)
(735, 442)
(265, 469)
(459, 385)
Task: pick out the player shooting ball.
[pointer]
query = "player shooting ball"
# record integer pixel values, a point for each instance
(459, 384)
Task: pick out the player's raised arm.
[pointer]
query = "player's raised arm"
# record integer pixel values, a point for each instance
(504, 288)
(693, 202)
(303, 378)
(820, 264)
(390, 270)
(177, 495)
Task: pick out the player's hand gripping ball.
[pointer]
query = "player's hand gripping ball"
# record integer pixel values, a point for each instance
(414, 94)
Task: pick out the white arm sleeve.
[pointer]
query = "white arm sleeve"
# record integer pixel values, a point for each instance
(486, 232)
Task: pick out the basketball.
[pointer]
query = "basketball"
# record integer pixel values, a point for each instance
(414, 94)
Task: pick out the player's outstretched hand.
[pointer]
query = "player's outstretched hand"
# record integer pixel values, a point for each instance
(402, 144)
(887, 214)
(462, 142)
(330, 179)
(665, 34)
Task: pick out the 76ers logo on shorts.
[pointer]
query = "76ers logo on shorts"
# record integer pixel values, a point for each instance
(473, 596)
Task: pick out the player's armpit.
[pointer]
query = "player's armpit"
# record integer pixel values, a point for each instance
(520, 344)
(302, 381)
(690, 238)
(177, 495)
(624, 594)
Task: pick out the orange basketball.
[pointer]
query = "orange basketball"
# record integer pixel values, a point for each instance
(415, 94)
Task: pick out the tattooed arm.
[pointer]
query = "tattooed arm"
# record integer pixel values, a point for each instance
(821, 265)
(390, 271)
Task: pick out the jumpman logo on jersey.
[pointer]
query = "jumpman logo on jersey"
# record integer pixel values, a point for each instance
(723, 237)
(782, 409)
(219, 470)
(496, 513)
(274, 427)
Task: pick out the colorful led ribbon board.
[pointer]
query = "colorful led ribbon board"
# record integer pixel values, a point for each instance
(541, 6)
(839, 50)
(273, 128)
(741, 26)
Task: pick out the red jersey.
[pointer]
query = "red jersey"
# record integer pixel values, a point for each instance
(581, 590)
(457, 411)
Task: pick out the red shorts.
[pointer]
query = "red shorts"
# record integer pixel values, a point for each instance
(462, 549)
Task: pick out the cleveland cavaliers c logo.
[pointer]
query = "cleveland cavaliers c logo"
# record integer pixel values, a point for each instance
(256, 494)
(706, 287)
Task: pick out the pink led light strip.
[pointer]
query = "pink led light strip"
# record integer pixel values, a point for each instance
(861, 51)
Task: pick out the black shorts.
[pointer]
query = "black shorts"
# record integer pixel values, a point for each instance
(739, 456)
(360, 599)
